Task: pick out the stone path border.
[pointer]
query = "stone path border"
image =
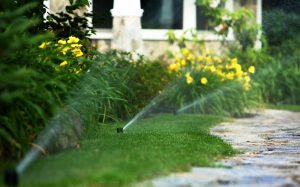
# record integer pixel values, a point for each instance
(270, 142)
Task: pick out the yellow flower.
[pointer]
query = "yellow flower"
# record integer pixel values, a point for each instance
(182, 63)
(64, 63)
(247, 86)
(188, 78)
(43, 45)
(185, 52)
(212, 68)
(203, 80)
(247, 79)
(77, 52)
(191, 57)
(199, 67)
(230, 76)
(73, 39)
(65, 50)
(234, 61)
(208, 59)
(62, 42)
(173, 67)
(251, 69)
(218, 59)
(238, 67)
(239, 75)
(200, 58)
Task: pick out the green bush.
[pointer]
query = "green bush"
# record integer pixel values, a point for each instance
(136, 77)
(27, 96)
(34, 78)
(279, 83)
(282, 31)
(279, 77)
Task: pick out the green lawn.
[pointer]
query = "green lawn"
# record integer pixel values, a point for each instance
(293, 108)
(153, 147)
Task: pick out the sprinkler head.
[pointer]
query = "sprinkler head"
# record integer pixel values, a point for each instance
(11, 177)
(119, 130)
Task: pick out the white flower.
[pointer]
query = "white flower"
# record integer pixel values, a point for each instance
(219, 28)
(226, 18)
(214, 3)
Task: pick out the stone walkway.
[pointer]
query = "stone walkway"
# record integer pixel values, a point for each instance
(270, 143)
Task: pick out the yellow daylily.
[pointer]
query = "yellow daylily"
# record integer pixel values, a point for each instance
(251, 69)
(77, 52)
(62, 42)
(64, 63)
(203, 80)
(188, 78)
(73, 39)
(43, 45)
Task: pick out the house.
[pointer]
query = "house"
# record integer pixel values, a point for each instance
(141, 25)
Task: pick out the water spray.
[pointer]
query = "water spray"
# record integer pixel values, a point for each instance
(153, 103)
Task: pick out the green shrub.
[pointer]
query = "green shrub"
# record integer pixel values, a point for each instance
(136, 77)
(34, 79)
(282, 31)
(27, 97)
(279, 83)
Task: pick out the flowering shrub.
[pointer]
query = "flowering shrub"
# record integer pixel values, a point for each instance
(201, 75)
(242, 21)
(65, 57)
(197, 70)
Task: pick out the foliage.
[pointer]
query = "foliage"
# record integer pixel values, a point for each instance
(279, 82)
(218, 82)
(27, 93)
(66, 58)
(36, 73)
(279, 78)
(280, 39)
(181, 41)
(36, 12)
(73, 22)
(141, 78)
(241, 21)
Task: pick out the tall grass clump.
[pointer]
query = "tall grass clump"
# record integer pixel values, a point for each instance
(212, 83)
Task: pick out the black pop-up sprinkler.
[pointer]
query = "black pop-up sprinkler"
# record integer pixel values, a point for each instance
(11, 177)
(119, 130)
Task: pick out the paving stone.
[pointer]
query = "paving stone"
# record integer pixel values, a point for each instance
(271, 154)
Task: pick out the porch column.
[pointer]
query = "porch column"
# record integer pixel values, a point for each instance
(127, 27)
(258, 43)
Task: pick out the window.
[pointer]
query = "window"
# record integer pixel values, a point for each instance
(162, 14)
(102, 16)
(203, 22)
(158, 17)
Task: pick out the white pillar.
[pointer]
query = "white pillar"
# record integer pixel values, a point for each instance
(258, 43)
(189, 8)
(127, 27)
(230, 6)
(58, 5)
